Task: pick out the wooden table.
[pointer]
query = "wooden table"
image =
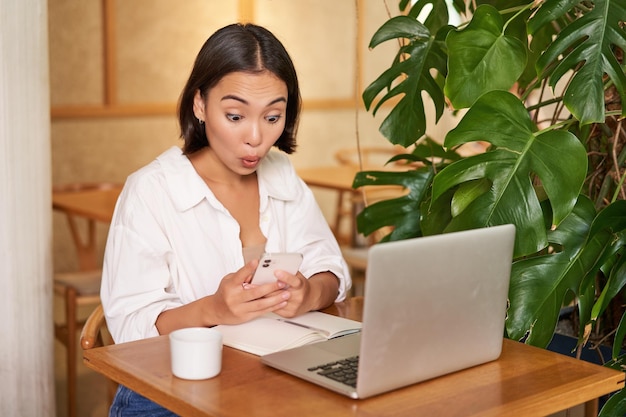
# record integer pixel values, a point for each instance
(93, 202)
(333, 177)
(525, 381)
(96, 203)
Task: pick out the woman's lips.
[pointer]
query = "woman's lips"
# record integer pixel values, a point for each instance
(251, 161)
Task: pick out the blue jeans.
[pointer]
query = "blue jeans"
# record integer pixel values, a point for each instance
(128, 403)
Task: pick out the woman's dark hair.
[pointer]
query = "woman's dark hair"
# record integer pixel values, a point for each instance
(238, 48)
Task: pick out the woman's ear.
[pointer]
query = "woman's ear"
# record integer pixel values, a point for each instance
(198, 106)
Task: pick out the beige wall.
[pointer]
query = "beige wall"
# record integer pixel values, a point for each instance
(117, 67)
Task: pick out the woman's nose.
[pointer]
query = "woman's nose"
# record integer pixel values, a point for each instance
(254, 136)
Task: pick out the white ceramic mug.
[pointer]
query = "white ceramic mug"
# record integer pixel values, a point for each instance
(196, 352)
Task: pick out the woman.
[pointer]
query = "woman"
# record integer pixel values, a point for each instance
(189, 227)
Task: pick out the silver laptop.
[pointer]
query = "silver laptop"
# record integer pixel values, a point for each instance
(432, 305)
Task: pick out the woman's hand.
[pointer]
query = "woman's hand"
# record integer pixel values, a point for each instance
(314, 293)
(237, 301)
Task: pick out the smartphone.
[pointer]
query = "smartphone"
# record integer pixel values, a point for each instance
(270, 262)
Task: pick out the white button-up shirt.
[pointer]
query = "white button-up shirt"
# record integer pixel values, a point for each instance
(171, 241)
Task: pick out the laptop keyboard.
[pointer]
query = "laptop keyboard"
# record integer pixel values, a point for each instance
(344, 371)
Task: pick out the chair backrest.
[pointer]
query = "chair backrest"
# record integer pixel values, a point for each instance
(93, 333)
(84, 186)
(84, 237)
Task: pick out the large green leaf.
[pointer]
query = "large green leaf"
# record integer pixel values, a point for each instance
(520, 153)
(402, 213)
(436, 214)
(482, 58)
(510, 198)
(585, 46)
(516, 13)
(597, 250)
(607, 233)
(538, 43)
(612, 217)
(620, 333)
(615, 406)
(437, 13)
(427, 150)
(408, 76)
(617, 280)
(539, 284)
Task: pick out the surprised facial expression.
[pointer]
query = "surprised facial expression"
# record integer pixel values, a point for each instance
(244, 115)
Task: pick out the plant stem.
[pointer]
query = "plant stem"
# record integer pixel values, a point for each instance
(617, 162)
(520, 11)
(620, 184)
(545, 103)
(568, 122)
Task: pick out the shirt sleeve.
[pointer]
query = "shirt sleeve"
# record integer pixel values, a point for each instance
(136, 276)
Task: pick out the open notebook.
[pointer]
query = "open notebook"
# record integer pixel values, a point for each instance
(272, 333)
(432, 305)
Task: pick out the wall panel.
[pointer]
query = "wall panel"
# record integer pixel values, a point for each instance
(320, 36)
(157, 41)
(76, 52)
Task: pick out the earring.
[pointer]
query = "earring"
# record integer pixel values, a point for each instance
(200, 121)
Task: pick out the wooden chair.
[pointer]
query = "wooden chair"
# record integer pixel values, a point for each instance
(95, 334)
(77, 288)
(86, 248)
(356, 258)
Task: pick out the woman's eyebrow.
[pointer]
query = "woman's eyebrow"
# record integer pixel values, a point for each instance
(237, 98)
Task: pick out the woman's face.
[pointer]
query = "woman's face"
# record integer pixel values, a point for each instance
(244, 115)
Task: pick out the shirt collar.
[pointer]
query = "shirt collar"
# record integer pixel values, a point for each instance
(277, 178)
(188, 189)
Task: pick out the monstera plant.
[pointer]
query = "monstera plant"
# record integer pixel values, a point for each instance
(543, 84)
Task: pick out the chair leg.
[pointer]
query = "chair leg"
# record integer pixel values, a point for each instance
(70, 318)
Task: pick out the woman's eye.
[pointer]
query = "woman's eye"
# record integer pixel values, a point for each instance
(273, 119)
(234, 117)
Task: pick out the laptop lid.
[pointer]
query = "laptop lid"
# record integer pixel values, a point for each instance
(432, 305)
